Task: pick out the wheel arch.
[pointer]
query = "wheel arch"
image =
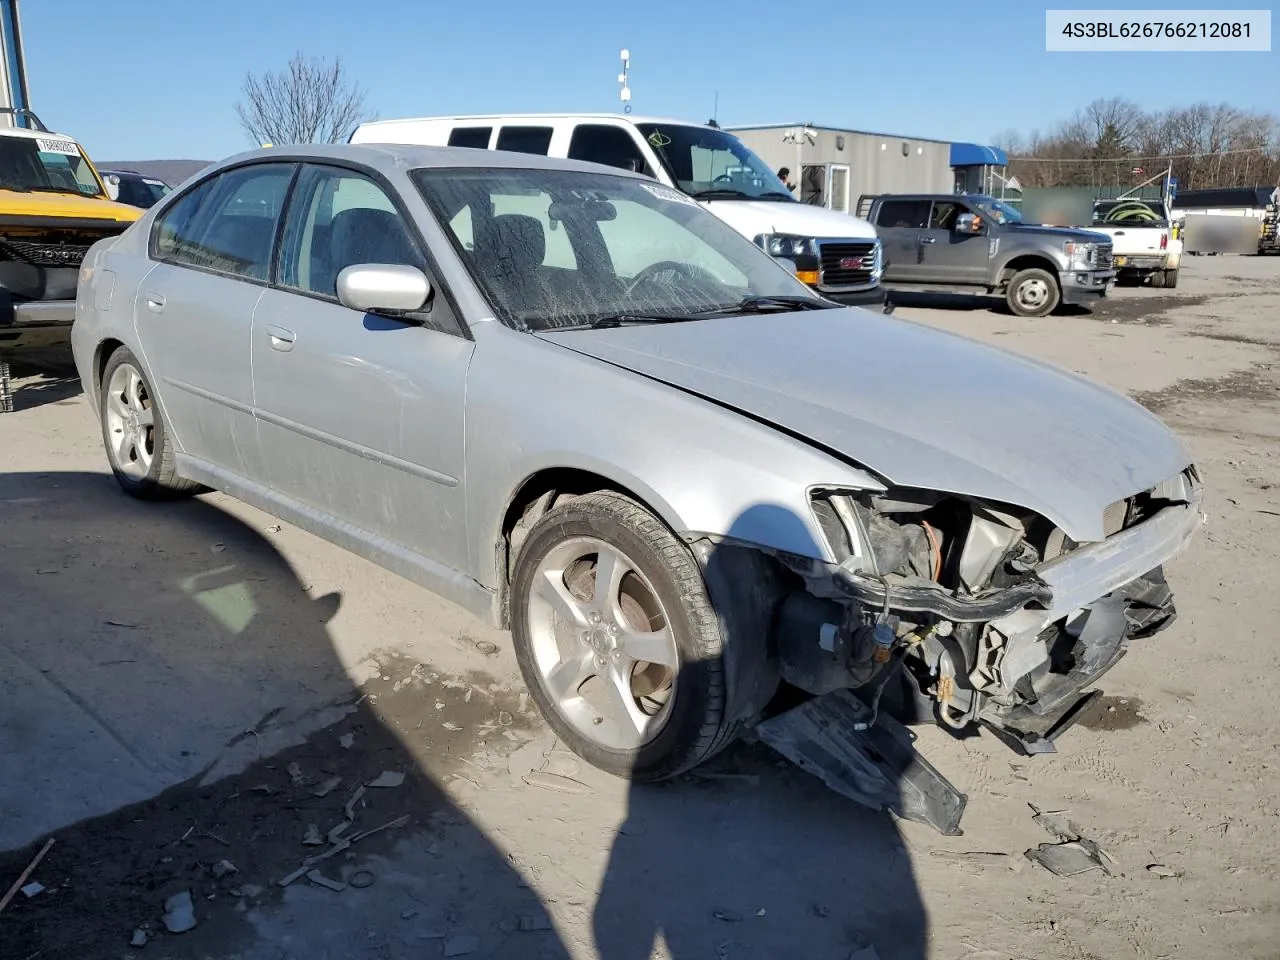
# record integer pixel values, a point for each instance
(101, 354)
(1028, 261)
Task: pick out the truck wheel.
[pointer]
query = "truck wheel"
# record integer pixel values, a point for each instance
(1033, 293)
(617, 639)
(135, 434)
(1159, 278)
(1170, 279)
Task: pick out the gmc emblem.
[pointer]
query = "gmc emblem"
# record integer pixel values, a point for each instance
(850, 263)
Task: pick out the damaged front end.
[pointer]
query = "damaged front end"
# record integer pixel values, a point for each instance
(945, 608)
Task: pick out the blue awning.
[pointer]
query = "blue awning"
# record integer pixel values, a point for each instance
(977, 155)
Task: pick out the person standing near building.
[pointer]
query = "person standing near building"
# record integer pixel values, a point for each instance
(783, 175)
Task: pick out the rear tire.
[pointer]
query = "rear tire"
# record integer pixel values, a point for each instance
(1159, 278)
(135, 434)
(568, 635)
(1033, 293)
(1170, 279)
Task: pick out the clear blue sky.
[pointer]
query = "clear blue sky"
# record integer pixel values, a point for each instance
(144, 79)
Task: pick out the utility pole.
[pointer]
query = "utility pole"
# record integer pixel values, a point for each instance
(14, 96)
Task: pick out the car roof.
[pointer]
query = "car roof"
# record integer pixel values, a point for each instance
(493, 117)
(29, 134)
(389, 157)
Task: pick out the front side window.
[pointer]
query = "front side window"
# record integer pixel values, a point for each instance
(340, 218)
(709, 164)
(607, 144)
(554, 249)
(46, 164)
(228, 223)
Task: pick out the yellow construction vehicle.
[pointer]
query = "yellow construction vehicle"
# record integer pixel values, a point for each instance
(53, 207)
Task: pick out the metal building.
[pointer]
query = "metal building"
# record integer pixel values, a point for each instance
(832, 167)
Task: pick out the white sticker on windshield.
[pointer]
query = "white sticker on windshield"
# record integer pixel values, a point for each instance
(67, 147)
(666, 193)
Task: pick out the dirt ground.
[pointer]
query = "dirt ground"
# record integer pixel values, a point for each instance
(190, 692)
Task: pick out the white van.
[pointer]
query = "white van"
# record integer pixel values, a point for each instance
(835, 253)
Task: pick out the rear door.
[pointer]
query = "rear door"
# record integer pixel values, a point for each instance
(899, 223)
(360, 414)
(194, 309)
(950, 257)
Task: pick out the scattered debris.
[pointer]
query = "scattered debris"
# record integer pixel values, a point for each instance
(749, 778)
(26, 874)
(350, 807)
(32, 889)
(728, 916)
(461, 945)
(320, 880)
(217, 547)
(122, 625)
(451, 726)
(408, 914)
(1056, 827)
(179, 913)
(346, 740)
(529, 923)
(865, 953)
(505, 719)
(140, 938)
(312, 837)
(327, 787)
(980, 858)
(249, 890)
(487, 647)
(295, 773)
(387, 778)
(1069, 859)
(274, 528)
(224, 868)
(553, 781)
(362, 879)
(821, 910)
(1160, 870)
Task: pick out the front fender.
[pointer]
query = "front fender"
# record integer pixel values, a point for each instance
(702, 468)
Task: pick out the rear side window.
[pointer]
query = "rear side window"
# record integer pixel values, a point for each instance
(601, 143)
(227, 224)
(525, 139)
(903, 213)
(474, 137)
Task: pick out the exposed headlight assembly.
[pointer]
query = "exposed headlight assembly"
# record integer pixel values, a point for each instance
(787, 245)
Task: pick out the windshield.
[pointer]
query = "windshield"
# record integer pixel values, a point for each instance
(554, 249)
(1126, 211)
(703, 160)
(999, 211)
(51, 164)
(141, 192)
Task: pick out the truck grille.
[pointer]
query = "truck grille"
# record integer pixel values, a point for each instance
(44, 254)
(1102, 257)
(847, 264)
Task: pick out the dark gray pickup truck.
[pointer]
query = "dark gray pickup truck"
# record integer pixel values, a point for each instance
(969, 243)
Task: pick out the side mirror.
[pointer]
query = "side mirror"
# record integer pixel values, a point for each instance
(968, 223)
(375, 287)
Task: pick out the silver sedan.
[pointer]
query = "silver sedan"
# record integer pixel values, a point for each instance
(579, 405)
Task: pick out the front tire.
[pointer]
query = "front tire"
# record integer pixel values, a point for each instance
(1033, 293)
(617, 639)
(135, 433)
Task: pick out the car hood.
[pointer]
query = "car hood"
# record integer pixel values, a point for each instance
(1066, 233)
(65, 205)
(920, 407)
(754, 217)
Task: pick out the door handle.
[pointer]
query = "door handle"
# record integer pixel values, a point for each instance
(281, 338)
(1119, 233)
(928, 239)
(155, 302)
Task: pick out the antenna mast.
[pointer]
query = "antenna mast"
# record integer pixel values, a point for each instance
(625, 93)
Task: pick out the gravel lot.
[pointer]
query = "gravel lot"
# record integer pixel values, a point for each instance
(181, 685)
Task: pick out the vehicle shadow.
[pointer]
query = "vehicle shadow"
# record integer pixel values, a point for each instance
(748, 856)
(958, 302)
(35, 386)
(177, 720)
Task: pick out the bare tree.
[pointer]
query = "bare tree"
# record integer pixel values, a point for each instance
(310, 101)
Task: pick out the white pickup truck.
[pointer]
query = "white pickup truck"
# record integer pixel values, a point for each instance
(1144, 242)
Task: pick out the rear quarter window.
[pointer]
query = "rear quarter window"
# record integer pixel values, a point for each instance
(535, 140)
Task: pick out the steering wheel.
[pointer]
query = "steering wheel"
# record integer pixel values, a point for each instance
(694, 276)
(723, 178)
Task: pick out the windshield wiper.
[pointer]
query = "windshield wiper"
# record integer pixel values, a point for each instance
(775, 195)
(624, 319)
(759, 304)
(719, 194)
(74, 193)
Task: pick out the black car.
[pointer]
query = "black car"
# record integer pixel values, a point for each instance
(135, 189)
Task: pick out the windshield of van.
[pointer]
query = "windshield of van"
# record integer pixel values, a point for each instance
(51, 164)
(999, 211)
(710, 164)
(553, 249)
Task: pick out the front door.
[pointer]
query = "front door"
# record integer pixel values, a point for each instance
(951, 257)
(195, 307)
(360, 414)
(899, 224)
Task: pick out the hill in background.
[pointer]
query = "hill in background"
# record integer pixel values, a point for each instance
(172, 172)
